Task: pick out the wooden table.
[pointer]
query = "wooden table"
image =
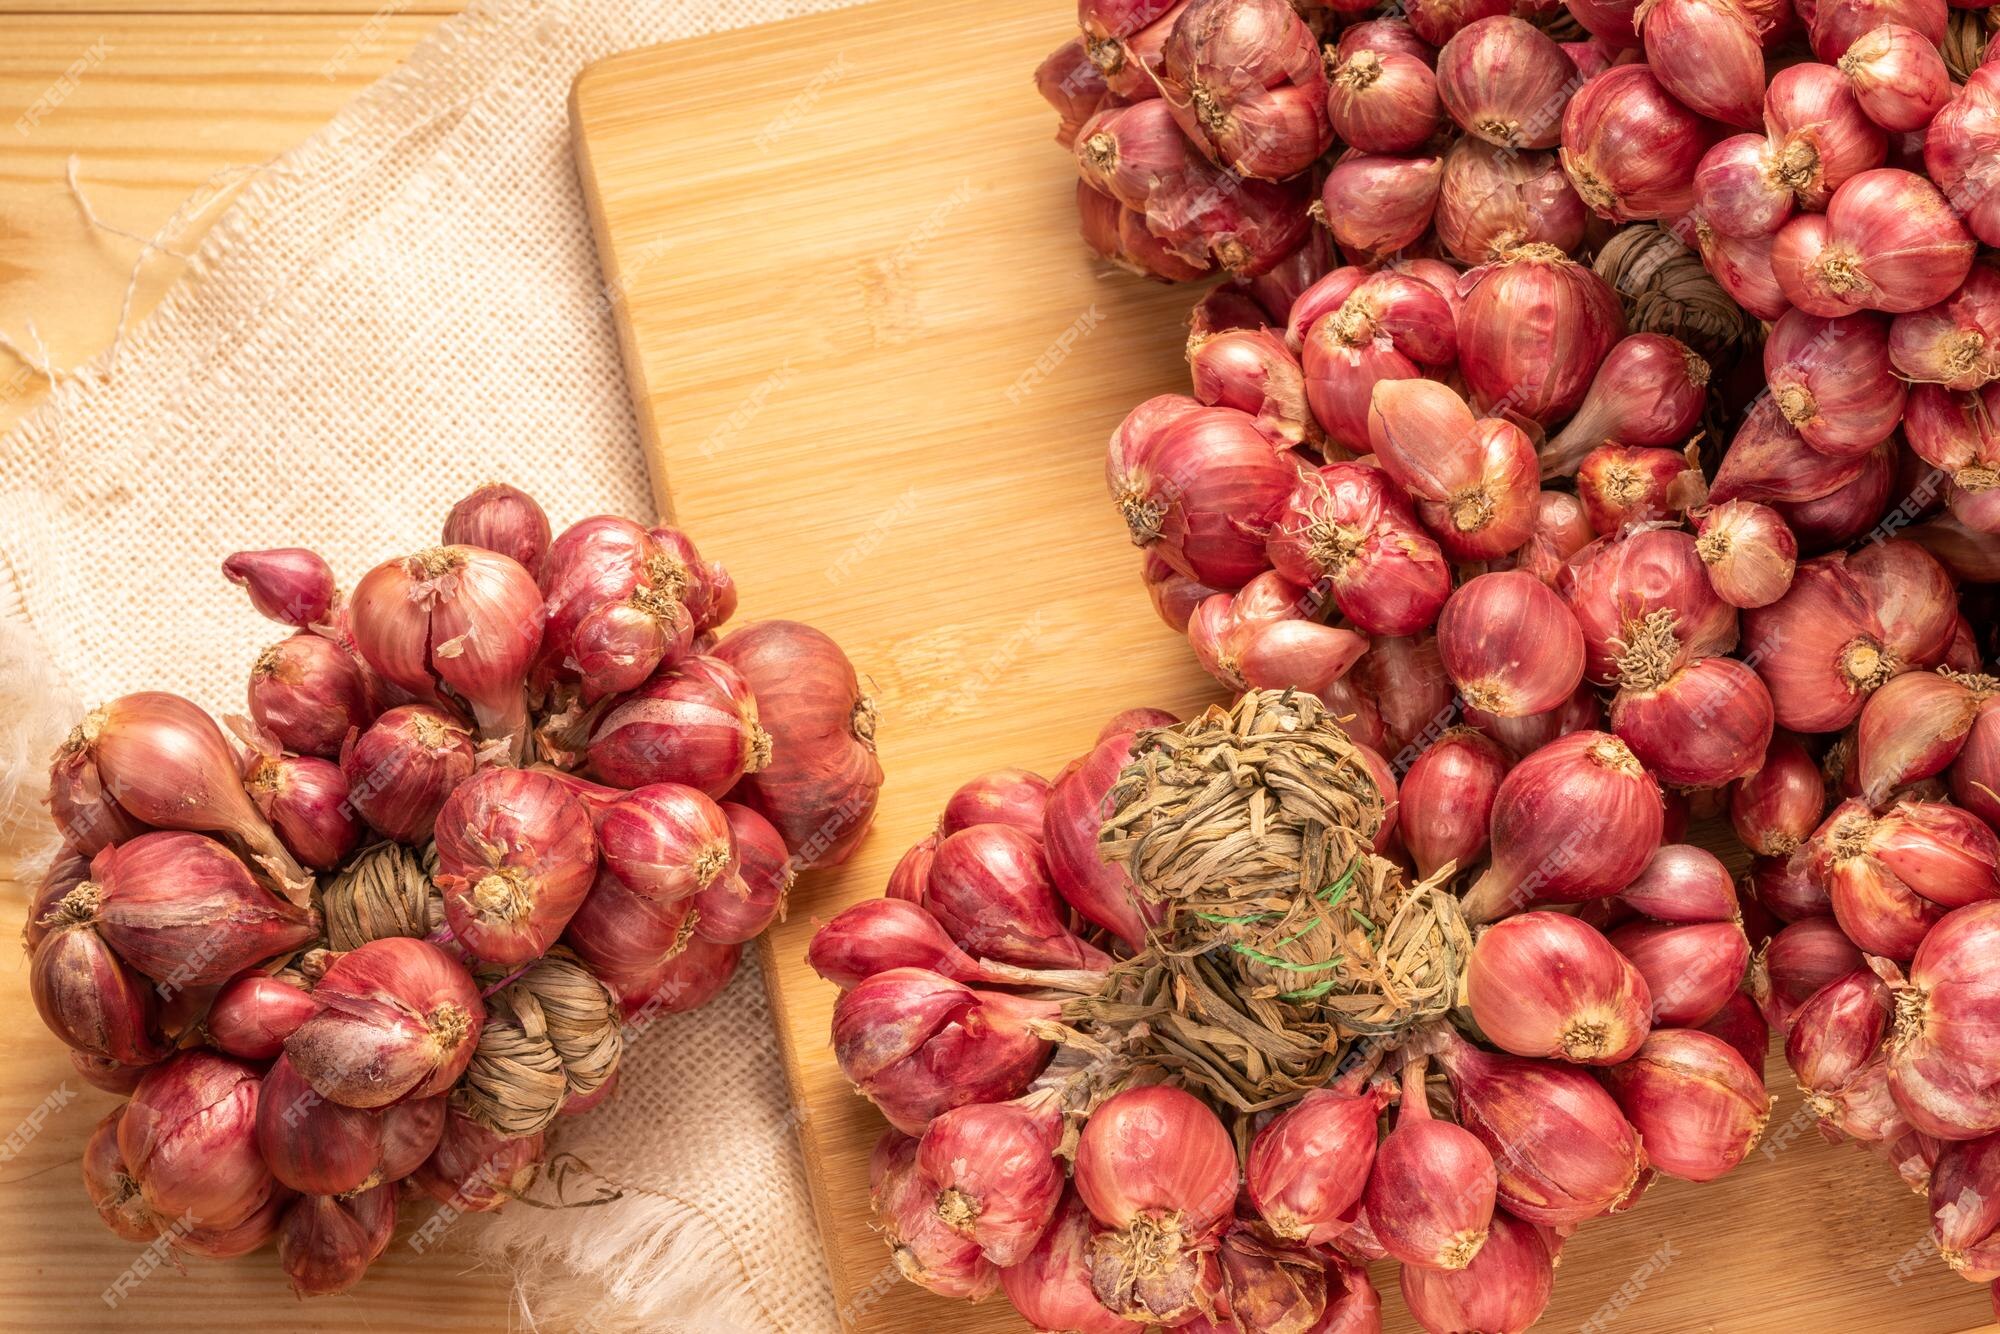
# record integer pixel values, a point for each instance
(154, 98)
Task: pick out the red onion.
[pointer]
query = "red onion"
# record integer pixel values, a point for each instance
(312, 1145)
(476, 1170)
(1704, 725)
(1383, 101)
(254, 1013)
(1437, 21)
(876, 935)
(1691, 970)
(618, 604)
(1898, 76)
(1965, 1208)
(1821, 648)
(1975, 775)
(1835, 1049)
(990, 889)
(1709, 55)
(1533, 329)
(918, 1044)
(1833, 381)
(1350, 524)
(1120, 235)
(1431, 1191)
(1377, 205)
(695, 723)
(308, 693)
(1505, 81)
(1847, 513)
(923, 1247)
(464, 618)
(86, 995)
(1620, 485)
(1960, 146)
(1612, 22)
(1447, 798)
(1510, 645)
(1157, 1171)
(1358, 331)
(1820, 136)
(1645, 606)
(1545, 984)
(402, 768)
(290, 585)
(1405, 677)
(738, 909)
(1956, 343)
(1942, 1067)
(1576, 820)
(1069, 82)
(1747, 186)
(1749, 550)
(1564, 1151)
(995, 1174)
(1245, 82)
(1101, 892)
(1630, 149)
(1050, 1287)
(325, 1244)
(165, 763)
(1697, 1105)
(1940, 852)
(1253, 371)
(1307, 1168)
(394, 1017)
(501, 518)
(1888, 241)
(1956, 434)
(188, 1137)
(305, 799)
(515, 858)
(819, 789)
(1683, 884)
(1649, 390)
(666, 842)
(1267, 1284)
(1776, 807)
(1786, 888)
(1384, 35)
(1494, 200)
(183, 910)
(1503, 1291)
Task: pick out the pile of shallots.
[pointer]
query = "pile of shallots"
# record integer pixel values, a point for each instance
(484, 819)
(1597, 1043)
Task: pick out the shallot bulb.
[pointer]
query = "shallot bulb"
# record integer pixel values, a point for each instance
(1649, 391)
(1960, 147)
(476, 1170)
(1746, 187)
(1683, 885)
(1835, 1049)
(1252, 370)
(1741, 1024)
(1431, 1191)
(1503, 1291)
(1377, 205)
(1101, 892)
(1201, 487)
(312, 1144)
(1836, 24)
(1956, 343)
(85, 994)
(1492, 200)
(1749, 550)
(1975, 774)
(1914, 727)
(693, 723)
(1510, 645)
(995, 1173)
(1577, 820)
(1820, 136)
(165, 763)
(1545, 984)
(1505, 81)
(188, 1137)
(1943, 1070)
(741, 907)
(1833, 381)
(1898, 77)
(918, 1044)
(1474, 480)
(1307, 1169)
(1447, 798)
(402, 768)
(819, 789)
(501, 518)
(1245, 82)
(393, 1018)
(876, 935)
(619, 604)
(1696, 1103)
(1620, 485)
(1157, 1171)
(1645, 606)
(1820, 648)
(1888, 241)
(325, 1244)
(463, 619)
(305, 799)
(1533, 328)
(1691, 969)
(1699, 726)
(1564, 1150)
(1709, 55)
(1264, 636)
(113, 1192)
(1776, 806)
(1874, 906)
(1798, 961)
(290, 585)
(1786, 889)
(186, 912)
(515, 857)
(1050, 1287)
(687, 979)
(1965, 1207)
(924, 1249)
(1352, 526)
(254, 1013)
(1357, 331)
(1383, 101)
(990, 888)
(1743, 267)
(308, 692)
(1630, 149)
(666, 842)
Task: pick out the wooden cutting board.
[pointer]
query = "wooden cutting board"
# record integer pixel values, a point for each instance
(875, 372)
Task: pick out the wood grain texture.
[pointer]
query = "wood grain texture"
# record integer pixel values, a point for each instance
(153, 106)
(876, 374)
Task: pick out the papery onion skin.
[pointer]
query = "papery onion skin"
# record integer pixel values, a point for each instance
(1876, 909)
(1247, 86)
(1645, 606)
(990, 888)
(1750, 551)
(1911, 729)
(476, 1170)
(188, 1138)
(1942, 1066)
(308, 692)
(1682, 885)
(998, 1181)
(1695, 1102)
(1899, 78)
(393, 1017)
(1801, 959)
(87, 996)
(515, 858)
(694, 723)
(186, 912)
(1050, 1287)
(1820, 648)
(326, 1243)
(1377, 204)
(1547, 985)
(313, 1144)
(1621, 485)
(1821, 137)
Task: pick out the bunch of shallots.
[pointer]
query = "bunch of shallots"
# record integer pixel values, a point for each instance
(488, 815)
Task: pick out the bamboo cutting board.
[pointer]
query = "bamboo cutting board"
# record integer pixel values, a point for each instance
(875, 373)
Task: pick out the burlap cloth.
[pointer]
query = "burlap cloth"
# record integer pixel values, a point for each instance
(404, 306)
